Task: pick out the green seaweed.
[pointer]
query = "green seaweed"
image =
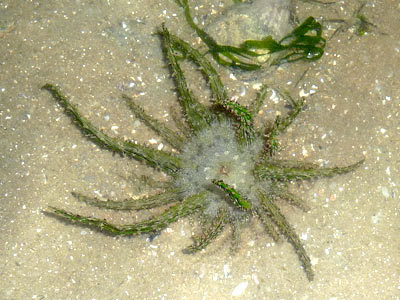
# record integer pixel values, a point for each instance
(363, 25)
(223, 54)
(304, 43)
(359, 24)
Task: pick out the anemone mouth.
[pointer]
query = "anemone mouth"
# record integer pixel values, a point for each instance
(215, 154)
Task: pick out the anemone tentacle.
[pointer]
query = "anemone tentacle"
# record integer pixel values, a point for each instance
(170, 136)
(217, 88)
(279, 219)
(270, 227)
(290, 170)
(281, 191)
(215, 228)
(281, 124)
(245, 131)
(237, 199)
(257, 103)
(196, 114)
(244, 118)
(167, 197)
(155, 158)
(187, 207)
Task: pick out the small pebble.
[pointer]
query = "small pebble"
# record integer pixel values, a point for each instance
(240, 288)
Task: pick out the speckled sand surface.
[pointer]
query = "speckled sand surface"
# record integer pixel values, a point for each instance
(351, 232)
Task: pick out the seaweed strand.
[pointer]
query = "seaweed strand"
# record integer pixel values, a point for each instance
(224, 55)
(305, 42)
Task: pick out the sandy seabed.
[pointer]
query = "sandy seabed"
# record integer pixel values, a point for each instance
(95, 50)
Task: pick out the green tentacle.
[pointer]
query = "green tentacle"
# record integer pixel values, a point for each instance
(268, 223)
(217, 88)
(215, 228)
(174, 139)
(152, 157)
(281, 124)
(281, 191)
(197, 115)
(245, 130)
(285, 170)
(284, 227)
(187, 207)
(257, 103)
(240, 201)
(164, 198)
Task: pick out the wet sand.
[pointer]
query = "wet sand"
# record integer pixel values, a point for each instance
(95, 51)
